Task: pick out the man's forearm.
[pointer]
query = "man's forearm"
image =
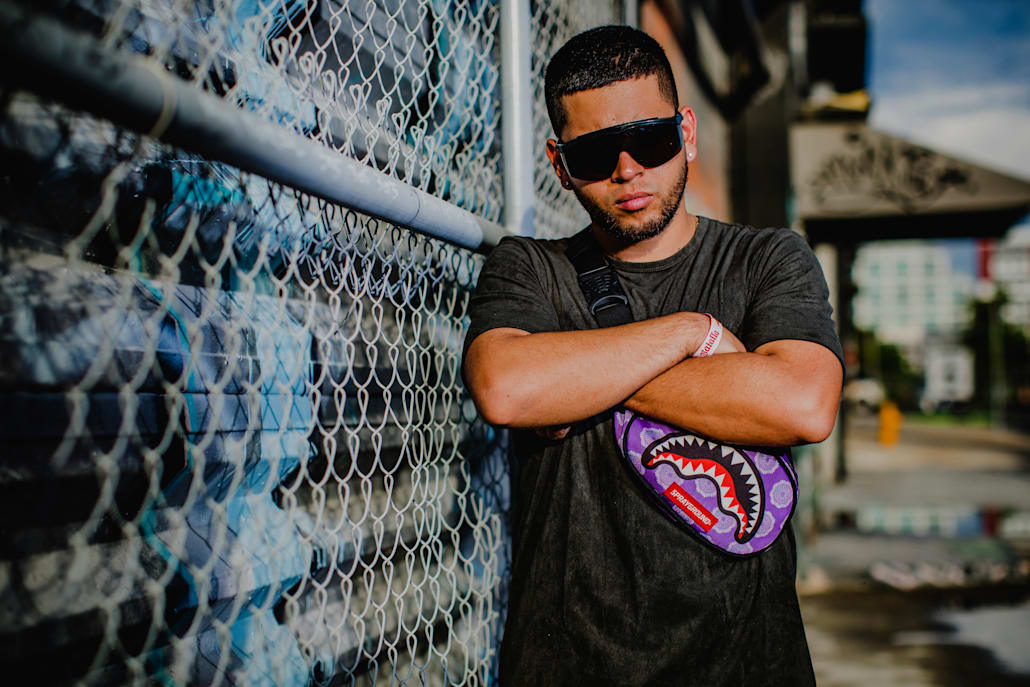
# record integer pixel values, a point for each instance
(783, 394)
(531, 380)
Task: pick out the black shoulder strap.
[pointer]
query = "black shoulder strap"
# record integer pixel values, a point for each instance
(598, 280)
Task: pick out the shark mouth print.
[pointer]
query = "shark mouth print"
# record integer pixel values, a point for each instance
(740, 490)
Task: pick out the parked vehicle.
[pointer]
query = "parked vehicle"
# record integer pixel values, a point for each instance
(865, 394)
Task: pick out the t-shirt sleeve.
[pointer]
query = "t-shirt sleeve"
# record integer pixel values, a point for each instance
(511, 293)
(789, 299)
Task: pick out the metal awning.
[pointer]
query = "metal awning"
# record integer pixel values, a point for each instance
(846, 175)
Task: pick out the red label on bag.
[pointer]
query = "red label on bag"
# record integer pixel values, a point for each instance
(686, 503)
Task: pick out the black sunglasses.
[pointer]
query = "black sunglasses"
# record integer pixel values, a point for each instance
(651, 142)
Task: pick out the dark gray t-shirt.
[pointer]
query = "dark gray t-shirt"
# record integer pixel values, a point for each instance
(605, 590)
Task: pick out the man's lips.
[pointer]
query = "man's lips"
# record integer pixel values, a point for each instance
(633, 201)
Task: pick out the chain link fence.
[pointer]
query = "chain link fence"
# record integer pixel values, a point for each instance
(238, 447)
(558, 213)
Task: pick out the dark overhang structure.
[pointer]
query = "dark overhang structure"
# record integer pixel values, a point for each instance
(854, 184)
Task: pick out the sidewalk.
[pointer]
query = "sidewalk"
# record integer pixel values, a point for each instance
(945, 506)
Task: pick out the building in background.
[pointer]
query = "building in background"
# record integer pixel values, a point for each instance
(908, 293)
(747, 68)
(1006, 263)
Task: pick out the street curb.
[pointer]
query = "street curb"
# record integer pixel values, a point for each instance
(907, 576)
(952, 521)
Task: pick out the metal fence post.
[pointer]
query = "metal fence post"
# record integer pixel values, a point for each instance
(516, 117)
(631, 13)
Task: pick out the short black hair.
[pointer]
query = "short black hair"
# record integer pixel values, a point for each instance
(602, 56)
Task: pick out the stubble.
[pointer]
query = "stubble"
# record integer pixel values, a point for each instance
(627, 234)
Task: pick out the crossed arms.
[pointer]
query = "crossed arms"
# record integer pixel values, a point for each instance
(782, 393)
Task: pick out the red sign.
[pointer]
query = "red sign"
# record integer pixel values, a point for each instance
(686, 503)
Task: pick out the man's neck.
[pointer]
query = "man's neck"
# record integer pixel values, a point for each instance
(675, 236)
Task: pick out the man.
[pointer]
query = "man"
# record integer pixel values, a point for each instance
(605, 590)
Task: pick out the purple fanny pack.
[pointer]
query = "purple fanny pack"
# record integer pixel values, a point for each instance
(736, 499)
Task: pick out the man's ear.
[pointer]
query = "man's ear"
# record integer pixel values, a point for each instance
(555, 158)
(689, 127)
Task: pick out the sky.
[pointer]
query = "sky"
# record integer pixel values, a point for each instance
(953, 75)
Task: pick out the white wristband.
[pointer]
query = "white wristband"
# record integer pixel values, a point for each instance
(712, 339)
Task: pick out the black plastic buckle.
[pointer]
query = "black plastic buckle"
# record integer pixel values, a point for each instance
(611, 300)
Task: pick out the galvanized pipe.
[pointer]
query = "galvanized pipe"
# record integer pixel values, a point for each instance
(631, 13)
(517, 117)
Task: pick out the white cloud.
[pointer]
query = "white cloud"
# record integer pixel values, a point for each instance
(931, 100)
(987, 124)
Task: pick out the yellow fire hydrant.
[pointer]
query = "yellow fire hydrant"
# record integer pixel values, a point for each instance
(890, 423)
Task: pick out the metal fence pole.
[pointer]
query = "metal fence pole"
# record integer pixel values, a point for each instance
(631, 13)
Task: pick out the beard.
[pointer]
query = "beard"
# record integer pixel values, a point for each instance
(669, 203)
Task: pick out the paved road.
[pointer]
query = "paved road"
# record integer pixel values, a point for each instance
(925, 515)
(948, 495)
(930, 638)
(934, 466)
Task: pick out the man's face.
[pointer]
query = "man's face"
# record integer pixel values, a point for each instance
(633, 202)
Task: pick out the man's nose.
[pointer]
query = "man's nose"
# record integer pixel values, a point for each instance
(626, 168)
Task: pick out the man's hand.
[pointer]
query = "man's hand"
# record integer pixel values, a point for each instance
(554, 433)
(518, 379)
(729, 344)
(782, 394)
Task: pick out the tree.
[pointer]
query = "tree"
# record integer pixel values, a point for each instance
(1001, 362)
(887, 363)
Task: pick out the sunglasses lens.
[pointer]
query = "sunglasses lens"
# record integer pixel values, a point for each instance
(592, 160)
(593, 157)
(655, 144)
